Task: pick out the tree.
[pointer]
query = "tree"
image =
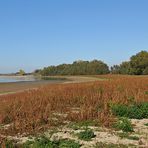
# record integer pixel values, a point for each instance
(77, 68)
(125, 68)
(21, 72)
(139, 63)
(98, 67)
(145, 71)
(115, 69)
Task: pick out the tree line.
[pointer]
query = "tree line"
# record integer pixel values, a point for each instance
(137, 65)
(76, 68)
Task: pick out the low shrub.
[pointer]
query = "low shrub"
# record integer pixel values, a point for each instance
(134, 111)
(124, 124)
(86, 135)
(44, 142)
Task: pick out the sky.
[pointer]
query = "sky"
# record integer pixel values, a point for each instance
(39, 33)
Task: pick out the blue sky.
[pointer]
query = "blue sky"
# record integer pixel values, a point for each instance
(38, 33)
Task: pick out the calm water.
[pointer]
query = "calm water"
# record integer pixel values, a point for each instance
(6, 79)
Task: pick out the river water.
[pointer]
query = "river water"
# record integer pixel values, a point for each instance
(6, 79)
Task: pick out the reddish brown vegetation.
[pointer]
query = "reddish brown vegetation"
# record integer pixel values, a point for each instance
(35, 110)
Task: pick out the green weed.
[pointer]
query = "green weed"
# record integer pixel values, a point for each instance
(124, 124)
(44, 142)
(83, 124)
(134, 111)
(86, 135)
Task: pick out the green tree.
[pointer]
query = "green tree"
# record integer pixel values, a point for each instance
(125, 68)
(21, 72)
(115, 69)
(145, 71)
(77, 68)
(139, 63)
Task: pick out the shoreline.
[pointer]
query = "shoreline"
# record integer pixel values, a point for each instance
(15, 87)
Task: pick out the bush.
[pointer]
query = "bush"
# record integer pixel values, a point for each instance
(44, 142)
(124, 124)
(86, 135)
(119, 110)
(68, 144)
(134, 111)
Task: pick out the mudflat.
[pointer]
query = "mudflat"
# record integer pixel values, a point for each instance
(14, 87)
(11, 87)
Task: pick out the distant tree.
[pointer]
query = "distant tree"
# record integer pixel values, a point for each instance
(37, 72)
(115, 69)
(98, 67)
(125, 68)
(145, 71)
(137, 65)
(21, 72)
(77, 68)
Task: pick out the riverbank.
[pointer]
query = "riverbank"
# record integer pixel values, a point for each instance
(14, 87)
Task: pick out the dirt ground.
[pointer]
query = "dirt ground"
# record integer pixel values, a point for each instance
(104, 137)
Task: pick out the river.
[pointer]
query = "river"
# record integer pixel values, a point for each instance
(7, 79)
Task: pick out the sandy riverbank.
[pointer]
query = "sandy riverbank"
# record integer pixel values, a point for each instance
(14, 87)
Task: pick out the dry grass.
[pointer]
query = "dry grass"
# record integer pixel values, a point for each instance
(35, 110)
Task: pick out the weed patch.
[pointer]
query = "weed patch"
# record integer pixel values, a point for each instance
(44, 142)
(123, 124)
(86, 135)
(134, 111)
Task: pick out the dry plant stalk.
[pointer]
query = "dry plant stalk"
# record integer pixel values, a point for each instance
(36, 110)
